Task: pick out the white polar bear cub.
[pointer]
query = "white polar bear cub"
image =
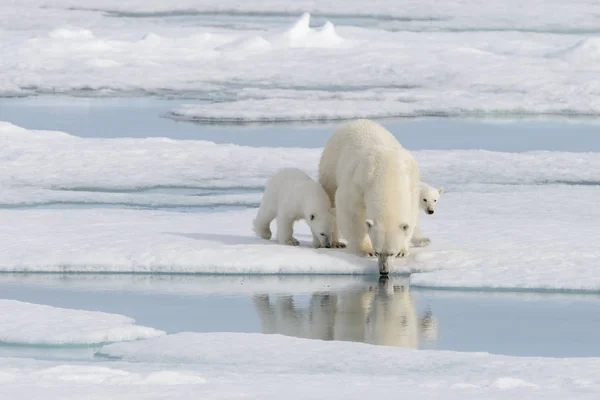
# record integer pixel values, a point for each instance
(373, 181)
(428, 198)
(291, 195)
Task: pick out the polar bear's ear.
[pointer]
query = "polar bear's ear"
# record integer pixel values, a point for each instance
(441, 190)
(369, 224)
(312, 217)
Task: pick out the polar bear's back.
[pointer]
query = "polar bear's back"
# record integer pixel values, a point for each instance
(296, 189)
(357, 135)
(285, 181)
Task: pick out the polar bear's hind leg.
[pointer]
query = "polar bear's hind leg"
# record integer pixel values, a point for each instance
(262, 222)
(285, 229)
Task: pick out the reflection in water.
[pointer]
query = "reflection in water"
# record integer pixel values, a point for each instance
(382, 313)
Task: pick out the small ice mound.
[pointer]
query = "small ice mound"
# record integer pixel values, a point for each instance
(90, 375)
(34, 324)
(251, 44)
(302, 35)
(71, 33)
(173, 378)
(329, 35)
(512, 383)
(300, 28)
(151, 38)
(101, 375)
(586, 50)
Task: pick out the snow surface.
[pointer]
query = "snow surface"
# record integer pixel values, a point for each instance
(224, 365)
(507, 220)
(492, 240)
(35, 162)
(34, 324)
(349, 367)
(371, 60)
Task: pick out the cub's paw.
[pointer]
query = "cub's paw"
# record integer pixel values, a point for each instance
(338, 245)
(292, 242)
(403, 253)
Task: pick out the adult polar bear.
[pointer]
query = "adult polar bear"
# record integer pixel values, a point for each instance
(373, 183)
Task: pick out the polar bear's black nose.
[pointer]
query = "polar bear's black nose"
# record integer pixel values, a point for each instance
(430, 212)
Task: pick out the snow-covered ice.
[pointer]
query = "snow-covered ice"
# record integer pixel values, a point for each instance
(455, 375)
(370, 60)
(507, 220)
(35, 324)
(37, 160)
(222, 365)
(226, 365)
(493, 240)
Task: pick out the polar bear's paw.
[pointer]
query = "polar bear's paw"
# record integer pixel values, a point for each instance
(292, 241)
(421, 242)
(403, 253)
(338, 245)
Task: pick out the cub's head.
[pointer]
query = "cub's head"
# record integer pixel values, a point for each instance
(321, 225)
(388, 240)
(428, 198)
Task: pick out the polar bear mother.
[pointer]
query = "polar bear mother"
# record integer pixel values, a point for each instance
(372, 182)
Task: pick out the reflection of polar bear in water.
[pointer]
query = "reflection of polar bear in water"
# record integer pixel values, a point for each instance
(284, 317)
(382, 314)
(385, 315)
(393, 320)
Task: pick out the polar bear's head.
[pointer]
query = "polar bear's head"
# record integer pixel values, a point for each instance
(428, 197)
(321, 223)
(388, 241)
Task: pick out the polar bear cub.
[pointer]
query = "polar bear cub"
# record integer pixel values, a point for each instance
(291, 195)
(428, 198)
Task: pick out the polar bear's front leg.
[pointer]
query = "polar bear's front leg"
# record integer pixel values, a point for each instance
(351, 221)
(366, 246)
(335, 237)
(331, 189)
(285, 229)
(417, 238)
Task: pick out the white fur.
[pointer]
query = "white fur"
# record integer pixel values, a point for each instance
(372, 181)
(393, 319)
(291, 195)
(428, 198)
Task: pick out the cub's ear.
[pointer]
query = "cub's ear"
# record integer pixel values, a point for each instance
(312, 216)
(441, 190)
(405, 227)
(369, 224)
